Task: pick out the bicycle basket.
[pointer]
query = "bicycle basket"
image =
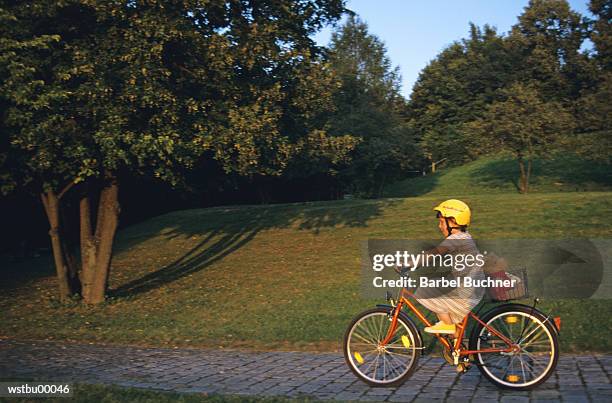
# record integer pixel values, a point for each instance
(518, 291)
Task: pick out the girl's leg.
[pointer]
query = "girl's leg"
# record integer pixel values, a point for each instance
(445, 317)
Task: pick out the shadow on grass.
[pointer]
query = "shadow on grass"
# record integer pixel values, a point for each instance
(205, 253)
(233, 228)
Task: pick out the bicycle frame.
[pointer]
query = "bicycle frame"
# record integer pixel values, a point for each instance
(460, 351)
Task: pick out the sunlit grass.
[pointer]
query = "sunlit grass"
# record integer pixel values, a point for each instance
(499, 174)
(281, 277)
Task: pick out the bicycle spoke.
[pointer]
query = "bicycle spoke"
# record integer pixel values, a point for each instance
(545, 342)
(367, 329)
(533, 369)
(380, 328)
(393, 368)
(366, 352)
(510, 332)
(508, 367)
(537, 325)
(399, 354)
(494, 364)
(518, 368)
(401, 364)
(533, 358)
(376, 365)
(507, 333)
(364, 333)
(386, 368)
(392, 353)
(537, 336)
(357, 343)
(370, 342)
(523, 368)
(395, 345)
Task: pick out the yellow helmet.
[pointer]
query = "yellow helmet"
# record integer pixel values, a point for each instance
(456, 209)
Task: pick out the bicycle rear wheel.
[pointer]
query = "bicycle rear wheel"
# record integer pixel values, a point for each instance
(377, 365)
(532, 332)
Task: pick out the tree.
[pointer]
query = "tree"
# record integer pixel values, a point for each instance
(601, 32)
(546, 45)
(523, 124)
(455, 88)
(95, 90)
(542, 50)
(593, 139)
(593, 110)
(369, 106)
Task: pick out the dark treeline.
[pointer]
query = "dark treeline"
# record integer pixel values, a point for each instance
(138, 108)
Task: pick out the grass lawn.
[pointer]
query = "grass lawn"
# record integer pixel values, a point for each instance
(282, 276)
(111, 394)
(500, 175)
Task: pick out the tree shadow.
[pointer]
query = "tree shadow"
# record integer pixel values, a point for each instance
(229, 229)
(204, 254)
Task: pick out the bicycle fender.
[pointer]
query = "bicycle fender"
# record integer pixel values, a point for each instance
(521, 307)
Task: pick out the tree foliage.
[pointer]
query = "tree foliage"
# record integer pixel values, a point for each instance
(543, 52)
(546, 44)
(523, 124)
(369, 106)
(593, 108)
(95, 89)
(455, 88)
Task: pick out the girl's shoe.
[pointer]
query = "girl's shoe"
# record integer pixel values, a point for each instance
(441, 328)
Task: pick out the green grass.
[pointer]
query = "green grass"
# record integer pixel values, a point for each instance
(500, 174)
(281, 276)
(110, 394)
(288, 276)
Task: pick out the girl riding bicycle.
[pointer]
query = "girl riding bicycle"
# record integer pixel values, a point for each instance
(515, 346)
(452, 306)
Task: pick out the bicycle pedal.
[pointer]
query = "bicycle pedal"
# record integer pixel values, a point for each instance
(462, 368)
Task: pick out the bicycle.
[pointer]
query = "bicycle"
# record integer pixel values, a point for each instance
(515, 346)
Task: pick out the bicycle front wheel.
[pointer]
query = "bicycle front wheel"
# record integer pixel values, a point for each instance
(381, 365)
(532, 332)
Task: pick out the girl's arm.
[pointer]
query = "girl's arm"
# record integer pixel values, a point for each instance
(437, 250)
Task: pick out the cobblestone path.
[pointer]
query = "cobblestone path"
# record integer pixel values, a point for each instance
(291, 374)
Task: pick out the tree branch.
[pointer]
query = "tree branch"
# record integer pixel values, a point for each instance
(66, 188)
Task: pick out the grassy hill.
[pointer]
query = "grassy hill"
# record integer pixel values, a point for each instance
(500, 174)
(280, 276)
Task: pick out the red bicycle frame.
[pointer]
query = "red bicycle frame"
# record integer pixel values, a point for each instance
(510, 346)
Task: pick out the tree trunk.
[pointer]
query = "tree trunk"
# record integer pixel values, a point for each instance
(263, 198)
(523, 176)
(51, 204)
(88, 245)
(97, 247)
(72, 266)
(381, 188)
(69, 257)
(528, 174)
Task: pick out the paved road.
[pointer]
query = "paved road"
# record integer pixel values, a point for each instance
(321, 376)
